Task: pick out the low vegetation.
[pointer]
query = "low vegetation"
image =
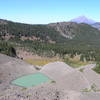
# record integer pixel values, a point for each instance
(23, 89)
(86, 90)
(75, 61)
(97, 68)
(42, 61)
(81, 70)
(52, 81)
(93, 88)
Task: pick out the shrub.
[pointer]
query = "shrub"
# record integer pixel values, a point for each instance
(97, 68)
(81, 70)
(53, 81)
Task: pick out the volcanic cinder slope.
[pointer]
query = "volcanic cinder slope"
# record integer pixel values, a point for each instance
(92, 77)
(65, 76)
(67, 84)
(11, 68)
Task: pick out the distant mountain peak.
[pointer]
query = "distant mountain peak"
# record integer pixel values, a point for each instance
(83, 19)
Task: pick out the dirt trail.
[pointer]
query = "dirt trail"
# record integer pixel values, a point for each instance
(91, 75)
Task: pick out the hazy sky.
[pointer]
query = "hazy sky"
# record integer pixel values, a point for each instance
(48, 11)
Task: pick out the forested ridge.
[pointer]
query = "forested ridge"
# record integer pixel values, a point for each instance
(46, 40)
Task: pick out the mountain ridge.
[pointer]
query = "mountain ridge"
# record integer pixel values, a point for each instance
(54, 32)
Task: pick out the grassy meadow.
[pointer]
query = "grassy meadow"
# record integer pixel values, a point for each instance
(73, 62)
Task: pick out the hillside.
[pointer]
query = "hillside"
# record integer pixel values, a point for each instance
(74, 31)
(19, 31)
(55, 39)
(10, 68)
(64, 40)
(66, 82)
(51, 33)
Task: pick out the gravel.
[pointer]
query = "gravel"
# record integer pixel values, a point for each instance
(67, 84)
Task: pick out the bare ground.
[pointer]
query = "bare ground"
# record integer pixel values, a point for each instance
(67, 86)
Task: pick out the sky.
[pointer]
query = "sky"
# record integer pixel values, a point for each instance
(48, 11)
